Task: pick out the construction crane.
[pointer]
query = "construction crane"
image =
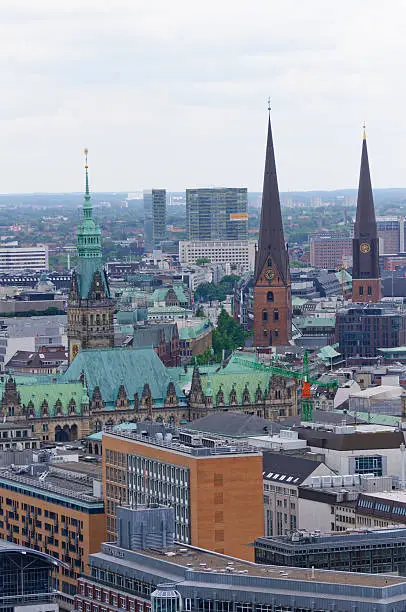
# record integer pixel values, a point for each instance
(306, 399)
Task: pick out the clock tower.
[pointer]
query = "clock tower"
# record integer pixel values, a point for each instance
(366, 281)
(272, 295)
(90, 305)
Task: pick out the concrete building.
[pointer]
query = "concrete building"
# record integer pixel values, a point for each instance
(361, 330)
(355, 551)
(17, 259)
(155, 573)
(329, 250)
(283, 475)
(209, 483)
(357, 449)
(55, 510)
(217, 214)
(29, 333)
(236, 253)
(154, 217)
(391, 234)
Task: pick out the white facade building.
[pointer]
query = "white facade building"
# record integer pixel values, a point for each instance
(239, 253)
(13, 259)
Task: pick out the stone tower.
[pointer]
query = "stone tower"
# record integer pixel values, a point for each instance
(90, 306)
(272, 294)
(366, 281)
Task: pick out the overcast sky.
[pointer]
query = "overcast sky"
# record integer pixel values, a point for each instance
(172, 93)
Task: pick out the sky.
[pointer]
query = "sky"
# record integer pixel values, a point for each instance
(173, 93)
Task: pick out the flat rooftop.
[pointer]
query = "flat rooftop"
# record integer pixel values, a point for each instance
(196, 559)
(54, 481)
(173, 444)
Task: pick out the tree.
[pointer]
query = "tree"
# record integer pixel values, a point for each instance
(200, 313)
(228, 335)
(201, 261)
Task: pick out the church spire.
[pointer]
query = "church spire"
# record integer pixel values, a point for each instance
(271, 239)
(366, 284)
(272, 293)
(87, 204)
(365, 222)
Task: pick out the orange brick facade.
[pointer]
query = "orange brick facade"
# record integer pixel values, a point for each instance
(226, 499)
(367, 290)
(65, 533)
(272, 309)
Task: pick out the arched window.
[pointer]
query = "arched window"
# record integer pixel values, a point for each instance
(269, 262)
(269, 296)
(265, 315)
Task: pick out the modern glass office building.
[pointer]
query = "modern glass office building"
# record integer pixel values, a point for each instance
(154, 217)
(27, 579)
(217, 214)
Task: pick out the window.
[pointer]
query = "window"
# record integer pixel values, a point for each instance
(369, 290)
(269, 296)
(265, 315)
(269, 262)
(276, 315)
(369, 465)
(361, 290)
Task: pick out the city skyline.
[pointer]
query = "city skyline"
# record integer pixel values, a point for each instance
(193, 90)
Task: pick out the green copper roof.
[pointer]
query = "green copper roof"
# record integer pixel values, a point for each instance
(197, 330)
(227, 382)
(376, 419)
(160, 294)
(343, 275)
(395, 350)
(89, 245)
(51, 393)
(109, 368)
(303, 322)
(169, 309)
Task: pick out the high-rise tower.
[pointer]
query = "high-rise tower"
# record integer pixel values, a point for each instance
(366, 282)
(272, 294)
(90, 306)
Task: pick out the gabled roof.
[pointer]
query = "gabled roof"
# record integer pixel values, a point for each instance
(279, 467)
(109, 368)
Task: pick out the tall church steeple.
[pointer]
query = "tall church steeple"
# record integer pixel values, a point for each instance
(366, 283)
(272, 294)
(90, 306)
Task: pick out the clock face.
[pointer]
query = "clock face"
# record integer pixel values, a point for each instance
(269, 274)
(364, 247)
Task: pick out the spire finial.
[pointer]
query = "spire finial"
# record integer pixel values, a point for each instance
(87, 192)
(269, 105)
(364, 134)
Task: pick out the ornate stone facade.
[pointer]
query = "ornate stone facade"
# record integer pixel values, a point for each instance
(269, 397)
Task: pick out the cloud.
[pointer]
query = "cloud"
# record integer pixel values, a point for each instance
(173, 94)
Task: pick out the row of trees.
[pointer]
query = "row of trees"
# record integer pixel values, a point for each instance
(227, 336)
(209, 292)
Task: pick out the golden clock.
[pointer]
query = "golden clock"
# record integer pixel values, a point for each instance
(269, 274)
(364, 247)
